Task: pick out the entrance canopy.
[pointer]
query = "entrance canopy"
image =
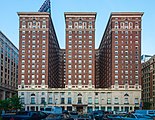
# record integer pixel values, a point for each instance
(79, 105)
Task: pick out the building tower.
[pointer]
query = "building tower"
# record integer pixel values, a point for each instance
(148, 81)
(9, 67)
(80, 49)
(120, 51)
(38, 51)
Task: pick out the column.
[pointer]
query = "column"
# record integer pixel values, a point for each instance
(120, 108)
(74, 108)
(39, 108)
(10, 95)
(93, 107)
(65, 108)
(112, 108)
(105, 108)
(26, 108)
(3, 95)
(99, 107)
(133, 108)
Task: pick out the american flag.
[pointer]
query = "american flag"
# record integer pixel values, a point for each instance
(46, 7)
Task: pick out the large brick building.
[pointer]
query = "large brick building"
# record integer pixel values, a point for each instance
(80, 77)
(80, 49)
(38, 51)
(119, 61)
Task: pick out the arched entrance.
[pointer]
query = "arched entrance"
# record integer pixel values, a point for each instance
(80, 108)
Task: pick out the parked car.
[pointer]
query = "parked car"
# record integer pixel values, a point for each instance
(58, 117)
(84, 117)
(146, 112)
(136, 117)
(74, 115)
(53, 110)
(54, 117)
(25, 115)
(97, 115)
(112, 117)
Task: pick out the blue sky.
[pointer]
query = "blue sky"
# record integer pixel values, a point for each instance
(9, 23)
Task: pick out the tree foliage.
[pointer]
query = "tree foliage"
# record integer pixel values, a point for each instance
(5, 104)
(13, 103)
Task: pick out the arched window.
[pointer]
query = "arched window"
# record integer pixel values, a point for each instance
(122, 25)
(84, 25)
(136, 25)
(32, 94)
(130, 25)
(76, 25)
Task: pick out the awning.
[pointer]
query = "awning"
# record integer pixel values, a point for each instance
(79, 105)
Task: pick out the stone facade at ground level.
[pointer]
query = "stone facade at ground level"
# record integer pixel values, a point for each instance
(83, 100)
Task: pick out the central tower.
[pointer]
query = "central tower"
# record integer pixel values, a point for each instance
(80, 49)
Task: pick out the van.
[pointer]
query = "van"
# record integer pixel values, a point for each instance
(146, 112)
(53, 110)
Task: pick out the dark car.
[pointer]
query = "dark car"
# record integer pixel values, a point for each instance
(97, 115)
(84, 117)
(25, 115)
(58, 117)
(74, 115)
(112, 117)
(54, 117)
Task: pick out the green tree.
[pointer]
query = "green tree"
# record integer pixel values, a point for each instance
(15, 103)
(5, 105)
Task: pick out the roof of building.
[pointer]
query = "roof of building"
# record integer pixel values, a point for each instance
(33, 13)
(80, 13)
(127, 13)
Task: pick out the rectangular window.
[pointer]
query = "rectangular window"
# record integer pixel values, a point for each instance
(70, 37)
(70, 26)
(116, 37)
(42, 100)
(62, 100)
(116, 42)
(136, 101)
(33, 37)
(69, 32)
(80, 37)
(116, 32)
(89, 100)
(108, 101)
(32, 100)
(90, 32)
(96, 101)
(23, 36)
(116, 101)
(126, 101)
(69, 42)
(79, 100)
(116, 61)
(90, 37)
(50, 100)
(69, 100)
(90, 42)
(22, 100)
(116, 76)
